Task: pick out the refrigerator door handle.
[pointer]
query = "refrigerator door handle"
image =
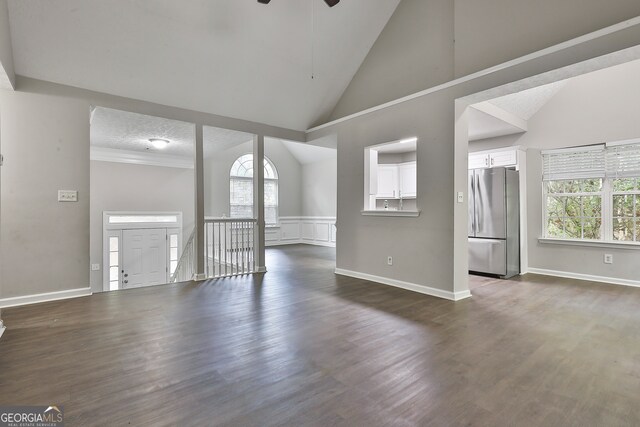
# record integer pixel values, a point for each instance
(478, 209)
(473, 194)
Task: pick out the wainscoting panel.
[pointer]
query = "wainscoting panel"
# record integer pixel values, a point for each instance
(292, 230)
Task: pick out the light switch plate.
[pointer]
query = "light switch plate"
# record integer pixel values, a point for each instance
(460, 197)
(67, 196)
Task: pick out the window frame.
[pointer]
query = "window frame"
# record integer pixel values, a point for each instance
(607, 194)
(545, 210)
(275, 179)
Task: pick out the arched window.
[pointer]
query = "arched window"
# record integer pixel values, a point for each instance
(241, 189)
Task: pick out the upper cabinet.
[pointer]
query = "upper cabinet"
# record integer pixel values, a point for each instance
(408, 177)
(387, 181)
(494, 159)
(397, 180)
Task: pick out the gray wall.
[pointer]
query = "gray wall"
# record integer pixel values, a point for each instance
(413, 52)
(319, 188)
(6, 55)
(490, 32)
(126, 187)
(590, 109)
(45, 244)
(45, 141)
(431, 250)
(216, 176)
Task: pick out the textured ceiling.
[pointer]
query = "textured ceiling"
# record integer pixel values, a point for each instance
(236, 58)
(121, 130)
(528, 102)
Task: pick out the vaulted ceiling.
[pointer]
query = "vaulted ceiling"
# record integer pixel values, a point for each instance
(235, 58)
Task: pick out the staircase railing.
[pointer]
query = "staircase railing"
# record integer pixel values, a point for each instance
(185, 269)
(229, 244)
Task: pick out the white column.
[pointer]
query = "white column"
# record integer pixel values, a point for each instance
(199, 203)
(258, 202)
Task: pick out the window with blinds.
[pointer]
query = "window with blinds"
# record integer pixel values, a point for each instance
(593, 193)
(241, 189)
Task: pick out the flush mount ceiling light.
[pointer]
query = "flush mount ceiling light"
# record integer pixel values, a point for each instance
(159, 143)
(329, 3)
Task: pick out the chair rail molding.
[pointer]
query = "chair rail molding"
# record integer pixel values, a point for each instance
(310, 230)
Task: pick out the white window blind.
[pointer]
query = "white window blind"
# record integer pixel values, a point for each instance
(574, 163)
(623, 161)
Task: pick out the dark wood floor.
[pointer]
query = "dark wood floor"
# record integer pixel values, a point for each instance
(302, 346)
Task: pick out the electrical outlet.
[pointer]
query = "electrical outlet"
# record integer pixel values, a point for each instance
(95, 267)
(390, 260)
(67, 196)
(460, 197)
(608, 258)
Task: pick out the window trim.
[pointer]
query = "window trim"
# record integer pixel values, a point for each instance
(607, 194)
(545, 212)
(247, 178)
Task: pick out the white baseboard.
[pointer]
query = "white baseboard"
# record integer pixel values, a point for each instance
(301, 242)
(588, 277)
(426, 290)
(49, 296)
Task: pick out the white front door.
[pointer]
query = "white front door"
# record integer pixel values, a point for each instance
(144, 257)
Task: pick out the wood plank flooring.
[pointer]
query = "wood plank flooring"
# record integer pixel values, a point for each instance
(302, 346)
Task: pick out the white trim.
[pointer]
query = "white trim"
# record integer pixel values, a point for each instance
(487, 71)
(588, 277)
(500, 114)
(577, 149)
(320, 231)
(381, 212)
(301, 242)
(49, 296)
(116, 230)
(2, 329)
(101, 154)
(426, 290)
(298, 218)
(592, 243)
(624, 142)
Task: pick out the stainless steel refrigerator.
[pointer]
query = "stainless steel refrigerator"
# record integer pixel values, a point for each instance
(494, 222)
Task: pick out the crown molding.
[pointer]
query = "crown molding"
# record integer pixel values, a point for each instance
(139, 158)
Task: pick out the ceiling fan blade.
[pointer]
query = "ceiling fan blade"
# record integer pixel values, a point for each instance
(329, 3)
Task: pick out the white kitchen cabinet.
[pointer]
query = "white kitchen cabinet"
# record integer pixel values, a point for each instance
(503, 158)
(407, 173)
(478, 161)
(494, 159)
(397, 179)
(387, 181)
